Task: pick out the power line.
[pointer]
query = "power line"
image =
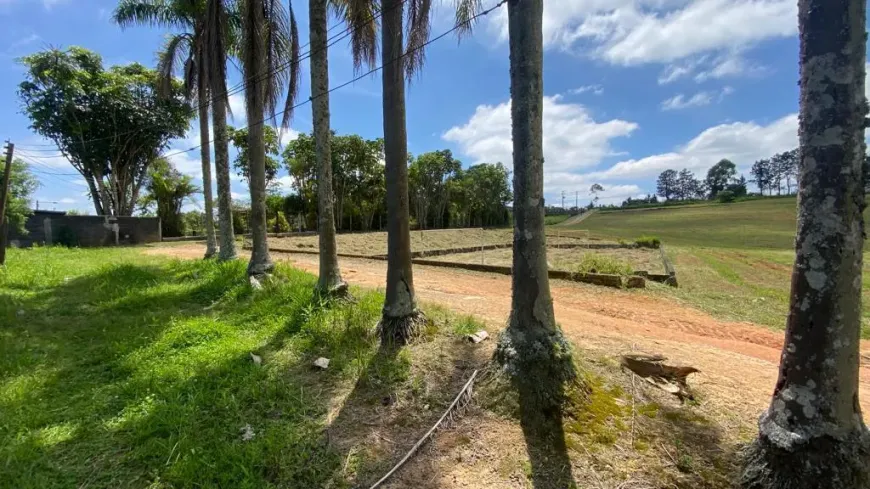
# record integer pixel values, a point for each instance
(370, 72)
(257, 77)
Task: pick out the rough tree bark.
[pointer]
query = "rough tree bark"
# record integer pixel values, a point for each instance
(532, 350)
(205, 155)
(330, 282)
(813, 436)
(255, 95)
(401, 320)
(222, 169)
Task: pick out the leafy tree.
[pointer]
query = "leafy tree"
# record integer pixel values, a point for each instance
(22, 184)
(187, 48)
(784, 166)
(269, 55)
(428, 176)
(737, 187)
(688, 187)
(813, 434)
(762, 175)
(667, 184)
(167, 189)
(593, 190)
(239, 139)
(110, 124)
(719, 176)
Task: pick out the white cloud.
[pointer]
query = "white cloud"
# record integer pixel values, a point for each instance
(633, 32)
(23, 41)
(287, 135)
(284, 184)
(680, 101)
(188, 163)
(67, 200)
(572, 139)
(238, 115)
(594, 89)
(741, 142)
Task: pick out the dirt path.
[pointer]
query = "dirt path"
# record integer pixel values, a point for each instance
(738, 361)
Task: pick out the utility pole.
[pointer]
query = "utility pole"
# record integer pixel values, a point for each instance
(563, 199)
(4, 197)
(576, 199)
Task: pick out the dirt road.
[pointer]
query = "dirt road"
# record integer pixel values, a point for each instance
(738, 361)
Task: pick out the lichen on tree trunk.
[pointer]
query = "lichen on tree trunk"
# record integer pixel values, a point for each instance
(330, 282)
(813, 434)
(532, 350)
(401, 319)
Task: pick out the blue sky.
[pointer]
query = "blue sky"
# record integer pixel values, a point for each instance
(632, 87)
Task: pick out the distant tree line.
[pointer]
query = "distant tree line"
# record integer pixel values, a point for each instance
(442, 194)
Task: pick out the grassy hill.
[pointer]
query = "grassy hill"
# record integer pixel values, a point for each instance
(733, 260)
(767, 223)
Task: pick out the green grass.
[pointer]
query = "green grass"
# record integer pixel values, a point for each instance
(766, 224)
(599, 263)
(557, 219)
(733, 260)
(122, 370)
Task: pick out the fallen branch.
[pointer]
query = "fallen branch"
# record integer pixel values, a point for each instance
(462, 399)
(666, 377)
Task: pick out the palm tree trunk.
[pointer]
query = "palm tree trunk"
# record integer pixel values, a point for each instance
(532, 347)
(330, 281)
(813, 435)
(205, 155)
(222, 168)
(255, 64)
(401, 319)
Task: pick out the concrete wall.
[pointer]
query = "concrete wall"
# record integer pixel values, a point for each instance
(47, 228)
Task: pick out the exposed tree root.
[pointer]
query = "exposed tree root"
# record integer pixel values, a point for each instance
(823, 463)
(260, 270)
(399, 331)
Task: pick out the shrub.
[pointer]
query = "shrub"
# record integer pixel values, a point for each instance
(648, 242)
(595, 263)
(725, 196)
(279, 224)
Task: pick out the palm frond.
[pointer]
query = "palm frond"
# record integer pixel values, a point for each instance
(361, 18)
(251, 55)
(295, 74)
(179, 50)
(156, 13)
(466, 12)
(419, 27)
(277, 46)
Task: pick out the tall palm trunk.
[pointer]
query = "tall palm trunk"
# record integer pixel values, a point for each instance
(222, 168)
(255, 95)
(813, 436)
(532, 347)
(330, 275)
(205, 155)
(401, 318)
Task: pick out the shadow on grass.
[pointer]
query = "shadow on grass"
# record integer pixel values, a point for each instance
(399, 396)
(544, 435)
(695, 447)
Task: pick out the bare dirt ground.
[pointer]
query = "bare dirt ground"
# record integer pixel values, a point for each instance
(738, 361)
(738, 364)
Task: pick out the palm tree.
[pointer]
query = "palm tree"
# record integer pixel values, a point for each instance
(330, 282)
(185, 48)
(401, 320)
(532, 347)
(268, 38)
(813, 435)
(217, 40)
